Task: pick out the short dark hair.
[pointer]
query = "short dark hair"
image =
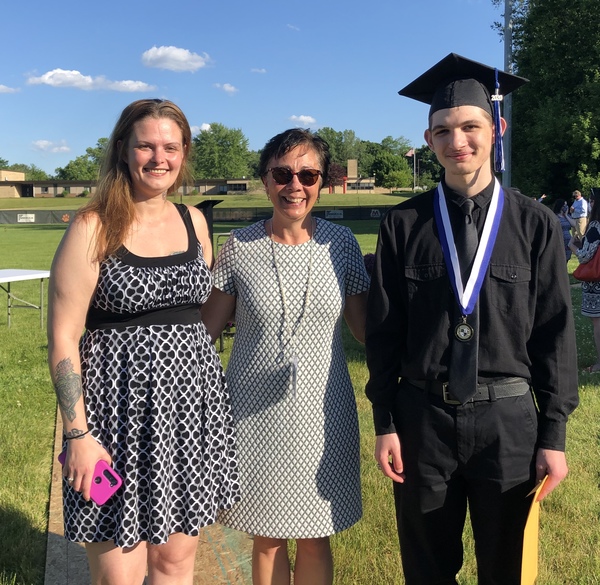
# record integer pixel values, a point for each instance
(281, 144)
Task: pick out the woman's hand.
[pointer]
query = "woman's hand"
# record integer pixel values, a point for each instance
(81, 458)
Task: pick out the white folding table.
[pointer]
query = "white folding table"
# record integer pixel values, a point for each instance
(10, 275)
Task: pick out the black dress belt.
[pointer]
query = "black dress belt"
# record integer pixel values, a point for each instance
(491, 391)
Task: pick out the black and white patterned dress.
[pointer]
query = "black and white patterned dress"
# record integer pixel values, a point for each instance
(298, 441)
(156, 399)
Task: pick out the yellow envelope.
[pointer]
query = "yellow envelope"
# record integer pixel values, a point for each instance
(529, 564)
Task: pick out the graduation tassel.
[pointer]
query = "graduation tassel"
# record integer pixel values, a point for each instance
(498, 146)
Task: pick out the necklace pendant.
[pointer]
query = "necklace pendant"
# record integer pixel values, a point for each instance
(463, 331)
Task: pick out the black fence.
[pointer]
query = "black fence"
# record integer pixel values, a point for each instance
(249, 214)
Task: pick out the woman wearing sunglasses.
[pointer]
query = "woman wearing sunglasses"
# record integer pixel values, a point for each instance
(289, 280)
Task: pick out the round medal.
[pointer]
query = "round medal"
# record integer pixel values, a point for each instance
(463, 332)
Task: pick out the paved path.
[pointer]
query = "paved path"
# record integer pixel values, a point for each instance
(223, 556)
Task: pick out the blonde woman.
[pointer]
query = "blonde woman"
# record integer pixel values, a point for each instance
(143, 388)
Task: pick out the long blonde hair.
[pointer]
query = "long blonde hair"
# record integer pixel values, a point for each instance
(113, 200)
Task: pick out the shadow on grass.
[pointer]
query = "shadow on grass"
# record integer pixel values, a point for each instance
(22, 549)
(67, 562)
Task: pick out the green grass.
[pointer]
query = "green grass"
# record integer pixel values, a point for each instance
(366, 553)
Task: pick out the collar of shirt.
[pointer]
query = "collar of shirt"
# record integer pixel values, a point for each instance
(482, 201)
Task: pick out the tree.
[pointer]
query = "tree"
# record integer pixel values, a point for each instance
(351, 147)
(85, 167)
(336, 175)
(32, 173)
(429, 169)
(385, 163)
(556, 117)
(370, 151)
(220, 153)
(343, 146)
(519, 9)
(253, 163)
(398, 146)
(334, 139)
(3, 163)
(397, 179)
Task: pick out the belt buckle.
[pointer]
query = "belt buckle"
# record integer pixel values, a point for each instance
(446, 396)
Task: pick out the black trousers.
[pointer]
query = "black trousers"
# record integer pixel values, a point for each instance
(481, 455)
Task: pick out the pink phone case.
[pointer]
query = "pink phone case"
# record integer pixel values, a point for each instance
(105, 483)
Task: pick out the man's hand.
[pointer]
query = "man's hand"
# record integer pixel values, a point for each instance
(388, 455)
(554, 465)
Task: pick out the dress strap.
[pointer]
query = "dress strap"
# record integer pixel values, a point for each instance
(189, 225)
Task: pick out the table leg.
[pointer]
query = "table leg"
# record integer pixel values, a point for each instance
(8, 302)
(41, 303)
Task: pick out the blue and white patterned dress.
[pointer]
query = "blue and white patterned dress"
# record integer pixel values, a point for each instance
(590, 291)
(298, 441)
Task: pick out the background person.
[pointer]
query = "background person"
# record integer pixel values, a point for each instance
(579, 212)
(590, 291)
(462, 427)
(567, 223)
(290, 280)
(144, 387)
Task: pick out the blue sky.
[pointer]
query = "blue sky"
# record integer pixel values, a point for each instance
(69, 68)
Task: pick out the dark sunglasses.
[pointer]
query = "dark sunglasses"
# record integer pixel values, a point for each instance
(307, 177)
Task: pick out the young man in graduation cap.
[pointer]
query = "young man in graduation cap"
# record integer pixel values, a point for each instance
(470, 342)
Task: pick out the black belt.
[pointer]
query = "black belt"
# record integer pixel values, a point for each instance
(176, 315)
(485, 392)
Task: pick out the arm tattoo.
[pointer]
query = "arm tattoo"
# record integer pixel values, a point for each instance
(68, 387)
(75, 434)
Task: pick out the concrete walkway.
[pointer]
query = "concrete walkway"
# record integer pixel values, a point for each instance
(223, 556)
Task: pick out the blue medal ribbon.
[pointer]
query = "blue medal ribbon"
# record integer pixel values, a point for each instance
(467, 296)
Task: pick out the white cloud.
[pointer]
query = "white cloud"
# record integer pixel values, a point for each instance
(227, 88)
(202, 128)
(174, 59)
(47, 146)
(258, 70)
(303, 120)
(127, 85)
(66, 78)
(291, 26)
(6, 89)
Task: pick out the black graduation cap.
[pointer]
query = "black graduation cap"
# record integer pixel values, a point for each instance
(458, 81)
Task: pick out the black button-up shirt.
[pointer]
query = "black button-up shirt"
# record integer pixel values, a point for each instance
(525, 315)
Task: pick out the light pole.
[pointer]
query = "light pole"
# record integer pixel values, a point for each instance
(507, 109)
